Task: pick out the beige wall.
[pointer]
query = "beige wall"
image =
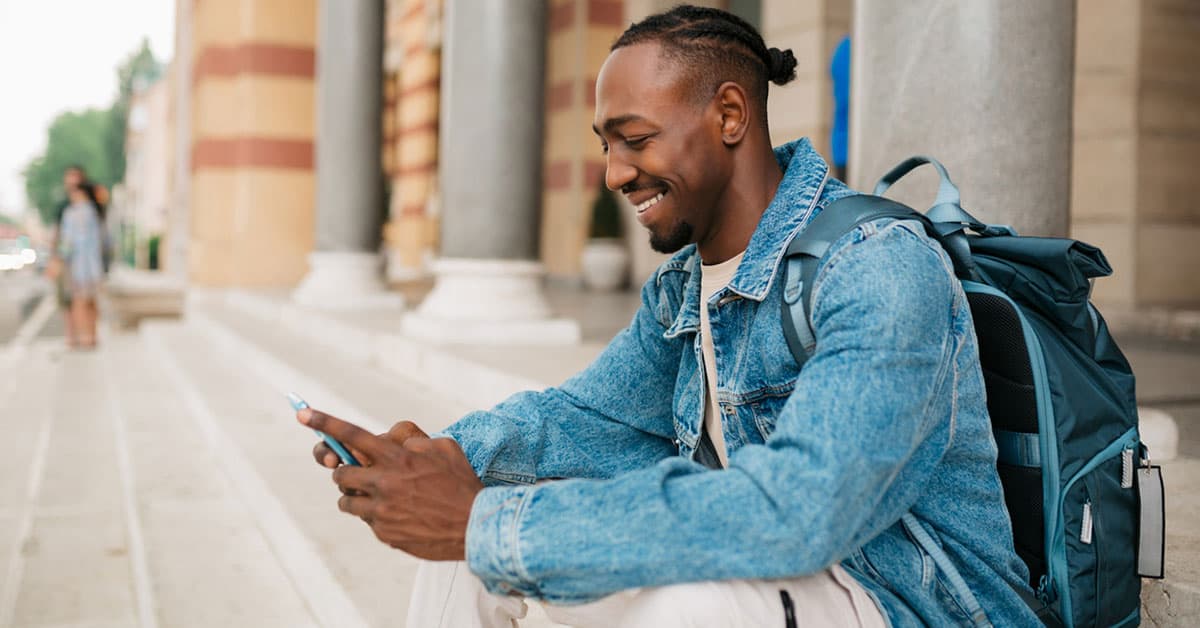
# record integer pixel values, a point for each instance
(812, 30)
(1168, 202)
(1137, 148)
(148, 162)
(1103, 168)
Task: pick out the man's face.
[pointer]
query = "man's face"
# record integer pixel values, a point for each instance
(664, 150)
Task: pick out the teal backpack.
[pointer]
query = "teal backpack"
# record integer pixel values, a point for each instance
(1060, 396)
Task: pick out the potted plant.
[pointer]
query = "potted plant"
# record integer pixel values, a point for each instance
(605, 260)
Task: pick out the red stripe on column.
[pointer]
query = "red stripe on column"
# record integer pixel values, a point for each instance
(255, 58)
(606, 13)
(590, 92)
(252, 152)
(560, 96)
(593, 173)
(423, 127)
(557, 175)
(562, 16)
(408, 91)
(409, 171)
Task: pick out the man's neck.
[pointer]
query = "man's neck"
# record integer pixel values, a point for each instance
(750, 191)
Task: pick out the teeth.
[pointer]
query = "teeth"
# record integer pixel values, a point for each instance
(650, 203)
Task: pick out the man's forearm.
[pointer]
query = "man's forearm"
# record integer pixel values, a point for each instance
(535, 436)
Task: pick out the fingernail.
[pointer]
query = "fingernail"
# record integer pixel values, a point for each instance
(304, 415)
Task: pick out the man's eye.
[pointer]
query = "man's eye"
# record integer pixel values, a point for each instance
(636, 142)
(604, 147)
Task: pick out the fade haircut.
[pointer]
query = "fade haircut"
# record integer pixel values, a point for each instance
(712, 47)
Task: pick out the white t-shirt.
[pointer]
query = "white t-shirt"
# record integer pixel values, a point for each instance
(713, 278)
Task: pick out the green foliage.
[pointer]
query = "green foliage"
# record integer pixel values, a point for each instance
(606, 214)
(94, 139)
(74, 138)
(152, 248)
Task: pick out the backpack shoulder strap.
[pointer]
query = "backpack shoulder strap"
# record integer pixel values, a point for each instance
(804, 254)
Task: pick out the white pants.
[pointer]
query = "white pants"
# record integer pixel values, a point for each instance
(448, 595)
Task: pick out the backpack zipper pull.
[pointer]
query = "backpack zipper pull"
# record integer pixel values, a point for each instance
(1085, 528)
(1127, 468)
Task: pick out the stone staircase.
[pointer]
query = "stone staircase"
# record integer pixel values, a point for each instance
(364, 359)
(214, 513)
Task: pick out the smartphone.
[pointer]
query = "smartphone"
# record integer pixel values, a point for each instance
(338, 448)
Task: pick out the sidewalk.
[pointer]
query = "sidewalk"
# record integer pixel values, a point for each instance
(177, 457)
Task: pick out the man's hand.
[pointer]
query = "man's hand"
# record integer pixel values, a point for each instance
(399, 433)
(415, 494)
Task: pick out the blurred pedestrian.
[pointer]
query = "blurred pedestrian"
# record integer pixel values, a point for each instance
(80, 249)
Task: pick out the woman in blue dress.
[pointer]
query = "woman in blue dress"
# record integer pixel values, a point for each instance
(80, 245)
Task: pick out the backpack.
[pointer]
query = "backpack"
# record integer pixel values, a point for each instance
(1060, 395)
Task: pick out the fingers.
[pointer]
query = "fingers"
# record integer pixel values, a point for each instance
(349, 434)
(361, 507)
(403, 431)
(355, 480)
(325, 456)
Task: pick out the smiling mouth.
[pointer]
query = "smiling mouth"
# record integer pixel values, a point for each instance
(651, 202)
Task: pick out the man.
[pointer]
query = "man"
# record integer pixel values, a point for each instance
(797, 508)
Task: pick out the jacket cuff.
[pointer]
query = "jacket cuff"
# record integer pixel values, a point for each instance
(493, 540)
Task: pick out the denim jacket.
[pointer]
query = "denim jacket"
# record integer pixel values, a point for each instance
(887, 417)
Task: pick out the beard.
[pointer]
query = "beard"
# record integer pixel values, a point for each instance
(679, 236)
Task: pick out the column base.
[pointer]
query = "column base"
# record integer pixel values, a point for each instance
(488, 302)
(345, 281)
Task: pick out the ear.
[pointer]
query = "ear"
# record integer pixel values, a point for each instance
(735, 114)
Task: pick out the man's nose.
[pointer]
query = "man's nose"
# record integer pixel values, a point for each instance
(619, 173)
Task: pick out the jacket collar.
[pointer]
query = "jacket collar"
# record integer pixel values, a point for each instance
(795, 204)
(800, 196)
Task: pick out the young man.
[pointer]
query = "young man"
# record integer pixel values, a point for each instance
(797, 508)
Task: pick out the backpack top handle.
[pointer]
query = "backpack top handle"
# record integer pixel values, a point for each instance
(947, 207)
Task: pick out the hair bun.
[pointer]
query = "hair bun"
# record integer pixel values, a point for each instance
(781, 68)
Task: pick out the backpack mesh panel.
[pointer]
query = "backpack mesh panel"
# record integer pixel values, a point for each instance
(1012, 405)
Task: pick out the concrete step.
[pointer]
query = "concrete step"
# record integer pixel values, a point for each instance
(269, 361)
(206, 558)
(356, 361)
(112, 515)
(1175, 600)
(473, 376)
(346, 577)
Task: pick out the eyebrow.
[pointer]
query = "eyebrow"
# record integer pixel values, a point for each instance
(612, 123)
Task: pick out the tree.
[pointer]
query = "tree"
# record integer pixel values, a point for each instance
(94, 139)
(74, 138)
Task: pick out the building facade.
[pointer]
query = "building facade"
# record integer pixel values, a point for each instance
(252, 92)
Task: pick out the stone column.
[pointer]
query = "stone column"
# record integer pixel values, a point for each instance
(345, 270)
(488, 283)
(983, 86)
(173, 255)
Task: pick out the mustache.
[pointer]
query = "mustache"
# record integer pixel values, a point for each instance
(630, 188)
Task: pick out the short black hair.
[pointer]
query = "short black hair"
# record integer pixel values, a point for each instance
(715, 46)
